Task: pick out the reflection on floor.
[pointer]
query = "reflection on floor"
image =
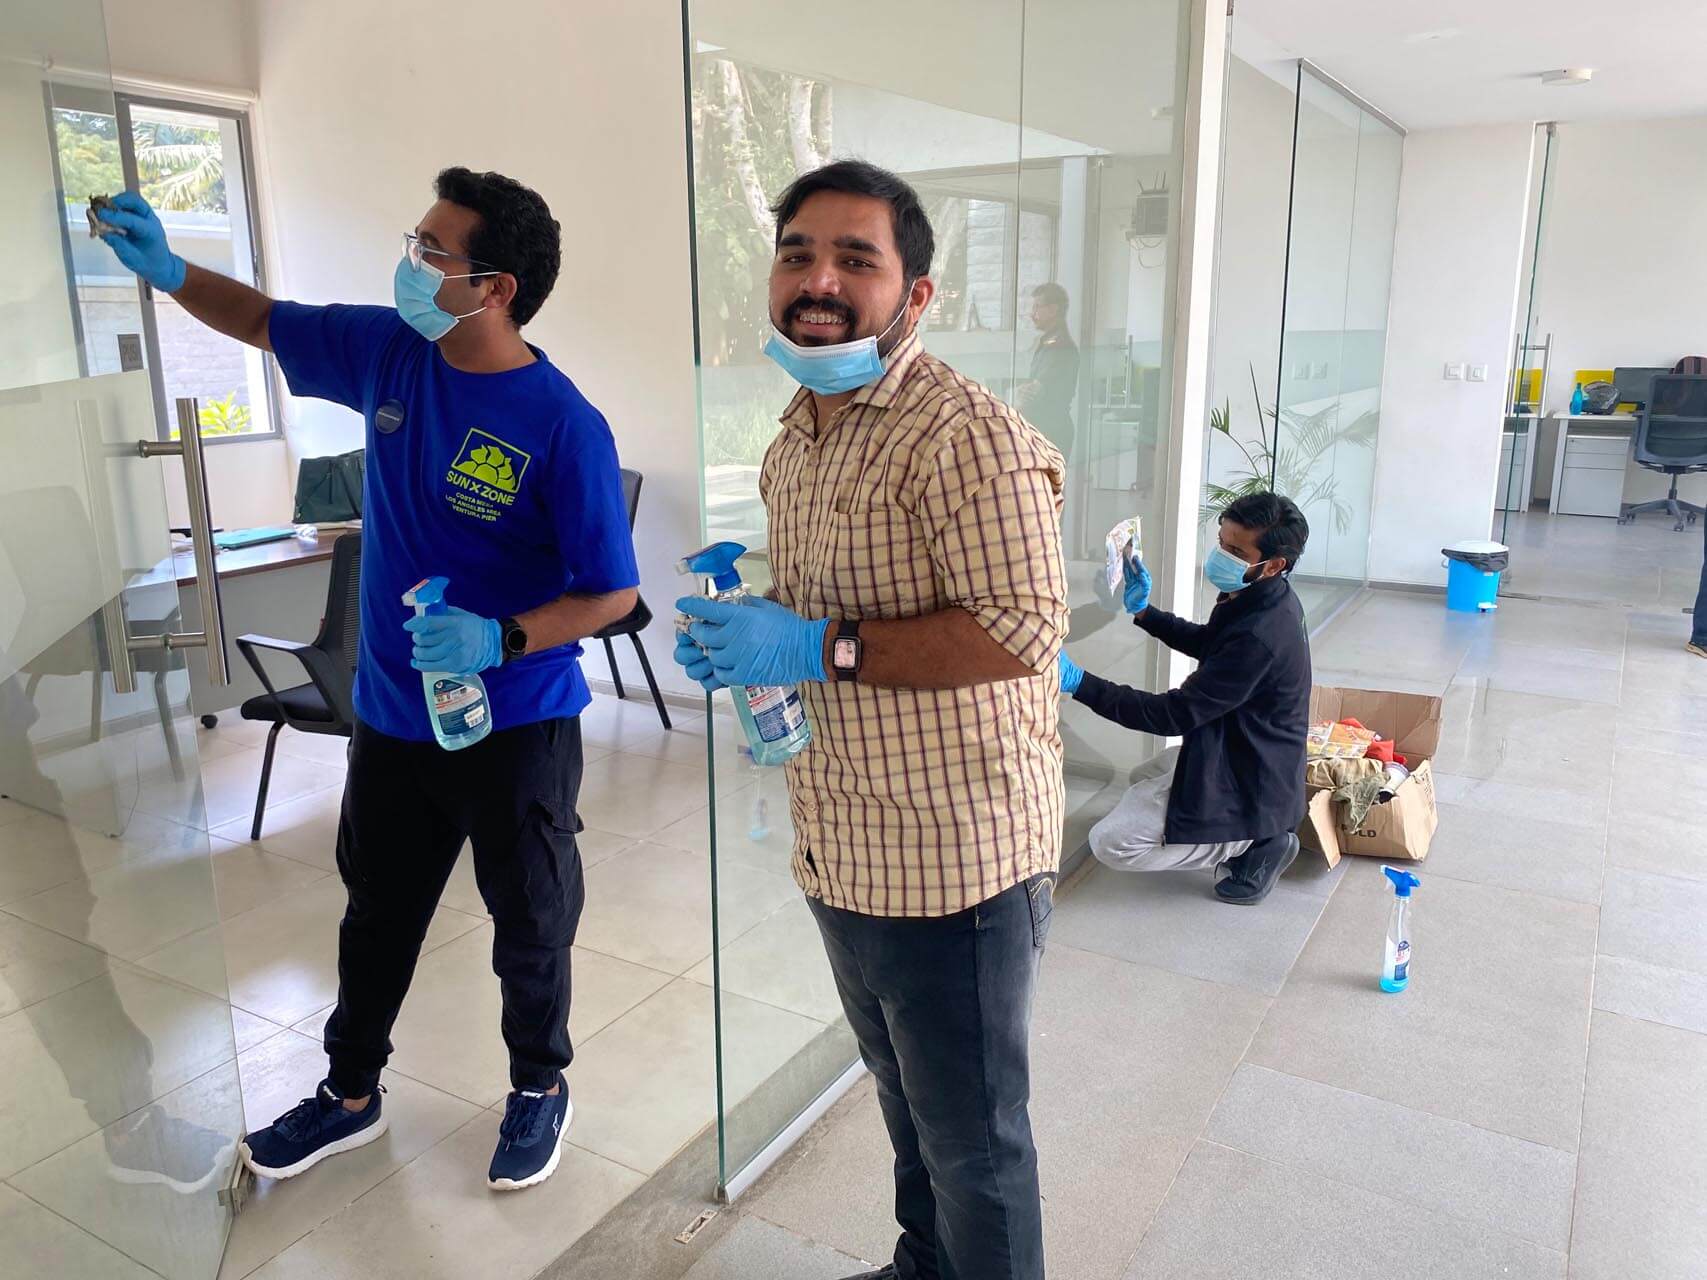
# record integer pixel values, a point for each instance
(107, 947)
(1228, 1094)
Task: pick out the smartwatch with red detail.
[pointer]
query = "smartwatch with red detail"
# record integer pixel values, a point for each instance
(847, 651)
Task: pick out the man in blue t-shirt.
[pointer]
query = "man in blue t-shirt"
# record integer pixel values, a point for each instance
(485, 466)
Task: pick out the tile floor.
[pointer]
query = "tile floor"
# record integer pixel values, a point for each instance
(214, 977)
(1215, 1096)
(1233, 1097)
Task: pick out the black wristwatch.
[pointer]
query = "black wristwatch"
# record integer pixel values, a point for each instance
(515, 641)
(847, 651)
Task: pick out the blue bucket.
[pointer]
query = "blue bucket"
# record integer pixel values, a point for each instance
(1471, 590)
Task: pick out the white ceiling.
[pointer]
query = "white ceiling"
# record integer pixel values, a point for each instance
(1649, 56)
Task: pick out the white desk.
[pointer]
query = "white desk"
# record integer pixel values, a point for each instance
(1596, 486)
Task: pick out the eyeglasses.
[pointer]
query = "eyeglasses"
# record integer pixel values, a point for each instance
(415, 251)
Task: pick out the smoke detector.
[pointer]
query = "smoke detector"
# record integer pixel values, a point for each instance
(1568, 75)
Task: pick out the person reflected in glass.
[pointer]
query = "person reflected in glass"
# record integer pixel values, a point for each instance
(1232, 793)
(913, 523)
(493, 470)
(1046, 396)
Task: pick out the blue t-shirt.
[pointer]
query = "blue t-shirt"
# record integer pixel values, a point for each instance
(505, 483)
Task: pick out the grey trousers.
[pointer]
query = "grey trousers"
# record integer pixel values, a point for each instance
(1131, 837)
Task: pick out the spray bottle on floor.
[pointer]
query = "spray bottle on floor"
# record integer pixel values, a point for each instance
(1396, 969)
(456, 705)
(772, 715)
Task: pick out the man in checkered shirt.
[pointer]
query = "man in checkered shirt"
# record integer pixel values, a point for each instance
(920, 604)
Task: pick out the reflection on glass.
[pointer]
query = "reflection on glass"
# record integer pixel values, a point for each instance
(118, 1083)
(1520, 436)
(1312, 241)
(1054, 273)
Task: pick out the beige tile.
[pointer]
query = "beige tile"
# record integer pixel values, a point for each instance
(36, 963)
(195, 960)
(436, 1220)
(246, 876)
(275, 1077)
(646, 1084)
(250, 1031)
(40, 851)
(652, 905)
(232, 731)
(40, 1243)
(613, 725)
(685, 744)
(780, 961)
(109, 1183)
(282, 958)
(131, 909)
(449, 1034)
(229, 785)
(329, 749)
(637, 795)
(83, 1058)
(304, 830)
(753, 828)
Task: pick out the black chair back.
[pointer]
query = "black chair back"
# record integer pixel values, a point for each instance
(631, 481)
(340, 630)
(1673, 431)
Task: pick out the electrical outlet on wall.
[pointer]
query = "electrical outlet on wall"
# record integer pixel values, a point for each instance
(1454, 372)
(1478, 373)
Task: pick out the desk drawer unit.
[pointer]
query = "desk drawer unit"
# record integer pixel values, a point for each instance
(1593, 480)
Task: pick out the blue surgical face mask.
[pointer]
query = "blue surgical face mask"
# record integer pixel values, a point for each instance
(416, 290)
(838, 366)
(1225, 572)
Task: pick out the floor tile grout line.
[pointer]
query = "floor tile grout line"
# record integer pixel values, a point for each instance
(1594, 973)
(1244, 1055)
(75, 1226)
(1405, 1106)
(1407, 1208)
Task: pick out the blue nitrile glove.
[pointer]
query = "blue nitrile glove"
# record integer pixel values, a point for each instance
(1136, 594)
(691, 658)
(456, 642)
(1072, 674)
(139, 241)
(758, 642)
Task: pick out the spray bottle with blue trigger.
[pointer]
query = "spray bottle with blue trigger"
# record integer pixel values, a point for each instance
(1396, 967)
(773, 717)
(456, 704)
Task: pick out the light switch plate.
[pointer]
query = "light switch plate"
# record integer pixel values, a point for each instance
(1454, 372)
(1478, 373)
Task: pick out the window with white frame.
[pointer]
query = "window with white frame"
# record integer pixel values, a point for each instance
(191, 163)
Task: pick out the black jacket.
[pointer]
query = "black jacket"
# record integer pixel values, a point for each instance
(1243, 715)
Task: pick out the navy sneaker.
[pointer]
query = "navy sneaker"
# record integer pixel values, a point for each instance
(310, 1131)
(531, 1138)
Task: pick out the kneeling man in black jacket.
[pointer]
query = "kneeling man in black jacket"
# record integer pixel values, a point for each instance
(1232, 793)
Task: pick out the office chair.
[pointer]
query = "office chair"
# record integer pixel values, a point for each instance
(326, 703)
(1671, 438)
(638, 620)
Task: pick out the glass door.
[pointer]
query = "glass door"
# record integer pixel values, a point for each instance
(119, 1106)
(1523, 441)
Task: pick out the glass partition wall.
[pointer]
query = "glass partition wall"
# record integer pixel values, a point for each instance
(119, 1099)
(1309, 204)
(1043, 139)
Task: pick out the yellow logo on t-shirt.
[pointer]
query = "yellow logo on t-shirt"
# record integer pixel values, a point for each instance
(486, 475)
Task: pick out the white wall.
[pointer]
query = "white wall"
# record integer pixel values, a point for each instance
(587, 109)
(1623, 277)
(1454, 297)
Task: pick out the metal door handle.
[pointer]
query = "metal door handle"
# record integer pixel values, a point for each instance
(211, 638)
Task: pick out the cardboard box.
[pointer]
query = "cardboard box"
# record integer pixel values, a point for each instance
(1401, 829)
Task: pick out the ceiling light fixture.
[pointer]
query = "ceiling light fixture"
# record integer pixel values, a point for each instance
(1568, 75)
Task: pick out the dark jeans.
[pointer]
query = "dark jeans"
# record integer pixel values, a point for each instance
(408, 807)
(941, 1008)
(1698, 630)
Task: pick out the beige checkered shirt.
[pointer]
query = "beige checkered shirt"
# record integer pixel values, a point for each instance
(924, 492)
